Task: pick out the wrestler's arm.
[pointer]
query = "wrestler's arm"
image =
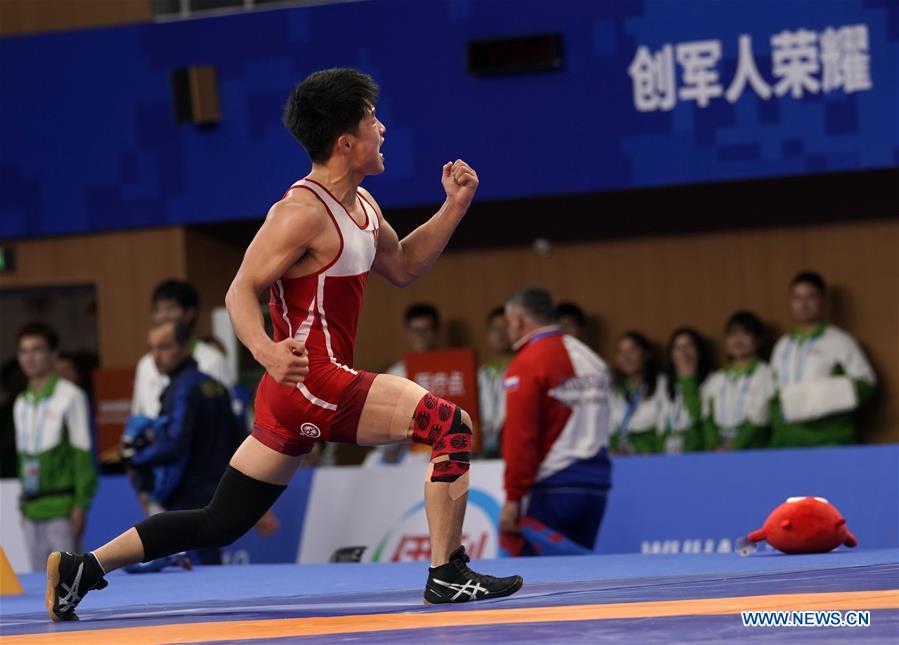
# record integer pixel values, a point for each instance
(282, 240)
(402, 262)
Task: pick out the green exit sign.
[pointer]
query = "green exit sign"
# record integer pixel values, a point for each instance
(7, 260)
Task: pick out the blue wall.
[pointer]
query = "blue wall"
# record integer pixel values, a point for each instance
(715, 498)
(89, 141)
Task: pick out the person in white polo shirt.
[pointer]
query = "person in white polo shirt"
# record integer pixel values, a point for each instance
(822, 374)
(174, 301)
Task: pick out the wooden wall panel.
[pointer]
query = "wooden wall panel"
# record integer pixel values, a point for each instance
(211, 265)
(19, 17)
(650, 283)
(124, 266)
(655, 284)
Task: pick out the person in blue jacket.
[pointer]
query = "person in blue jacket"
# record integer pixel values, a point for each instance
(183, 453)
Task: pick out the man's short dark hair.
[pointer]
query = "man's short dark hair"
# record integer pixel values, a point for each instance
(496, 312)
(181, 329)
(40, 329)
(536, 302)
(181, 292)
(812, 278)
(748, 322)
(422, 310)
(326, 105)
(571, 310)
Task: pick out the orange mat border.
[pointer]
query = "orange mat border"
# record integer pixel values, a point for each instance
(285, 627)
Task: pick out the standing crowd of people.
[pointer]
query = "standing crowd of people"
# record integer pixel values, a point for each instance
(804, 395)
(535, 400)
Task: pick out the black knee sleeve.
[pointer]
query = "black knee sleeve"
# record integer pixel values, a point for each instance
(237, 505)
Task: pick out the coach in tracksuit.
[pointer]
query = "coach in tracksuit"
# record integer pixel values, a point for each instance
(556, 432)
(192, 441)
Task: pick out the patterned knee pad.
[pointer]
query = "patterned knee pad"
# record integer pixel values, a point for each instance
(438, 423)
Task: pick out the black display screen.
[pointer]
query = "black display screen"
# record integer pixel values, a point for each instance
(537, 53)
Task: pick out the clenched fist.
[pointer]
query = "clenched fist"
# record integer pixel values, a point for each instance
(460, 182)
(287, 362)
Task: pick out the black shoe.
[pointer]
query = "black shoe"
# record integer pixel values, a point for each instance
(455, 582)
(69, 577)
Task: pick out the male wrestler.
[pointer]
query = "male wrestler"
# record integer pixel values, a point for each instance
(313, 254)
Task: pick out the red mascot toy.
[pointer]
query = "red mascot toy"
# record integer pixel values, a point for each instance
(804, 525)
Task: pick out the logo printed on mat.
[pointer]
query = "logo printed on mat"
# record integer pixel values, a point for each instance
(310, 430)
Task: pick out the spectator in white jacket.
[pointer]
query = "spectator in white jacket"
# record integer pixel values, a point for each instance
(822, 374)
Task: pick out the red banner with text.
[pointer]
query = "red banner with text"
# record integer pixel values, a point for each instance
(451, 374)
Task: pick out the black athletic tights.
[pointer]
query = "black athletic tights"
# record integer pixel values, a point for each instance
(237, 505)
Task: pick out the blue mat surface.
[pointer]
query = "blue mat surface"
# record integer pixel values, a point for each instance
(271, 592)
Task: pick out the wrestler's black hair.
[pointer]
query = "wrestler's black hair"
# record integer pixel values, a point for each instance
(327, 104)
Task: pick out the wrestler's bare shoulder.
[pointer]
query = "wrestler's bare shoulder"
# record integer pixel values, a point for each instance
(299, 206)
(367, 196)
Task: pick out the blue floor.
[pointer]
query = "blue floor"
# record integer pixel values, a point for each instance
(260, 592)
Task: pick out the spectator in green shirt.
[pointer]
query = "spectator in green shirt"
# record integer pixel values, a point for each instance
(636, 396)
(736, 400)
(688, 363)
(822, 374)
(53, 441)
